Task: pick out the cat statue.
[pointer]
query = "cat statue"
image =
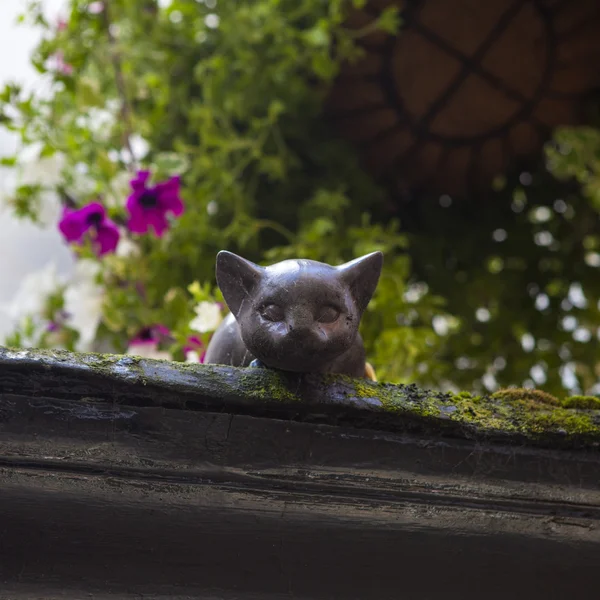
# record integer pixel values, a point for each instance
(296, 315)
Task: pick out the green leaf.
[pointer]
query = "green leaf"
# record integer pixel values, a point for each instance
(88, 92)
(317, 36)
(389, 20)
(171, 163)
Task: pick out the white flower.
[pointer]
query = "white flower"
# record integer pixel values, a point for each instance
(191, 356)
(139, 146)
(208, 317)
(45, 171)
(83, 300)
(126, 247)
(83, 185)
(118, 189)
(49, 209)
(33, 292)
(148, 351)
(100, 122)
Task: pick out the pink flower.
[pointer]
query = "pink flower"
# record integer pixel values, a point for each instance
(148, 206)
(153, 334)
(90, 220)
(95, 8)
(195, 350)
(146, 342)
(61, 25)
(60, 65)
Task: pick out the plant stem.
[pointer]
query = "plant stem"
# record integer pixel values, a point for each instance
(126, 112)
(283, 231)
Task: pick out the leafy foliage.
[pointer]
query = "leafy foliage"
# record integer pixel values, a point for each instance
(229, 96)
(520, 270)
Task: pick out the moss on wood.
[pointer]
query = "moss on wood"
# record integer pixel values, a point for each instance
(591, 402)
(511, 415)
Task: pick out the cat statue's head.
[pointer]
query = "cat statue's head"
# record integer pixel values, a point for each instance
(297, 314)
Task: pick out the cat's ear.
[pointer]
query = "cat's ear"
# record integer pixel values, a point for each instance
(361, 276)
(237, 279)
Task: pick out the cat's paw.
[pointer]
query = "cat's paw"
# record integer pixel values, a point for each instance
(257, 364)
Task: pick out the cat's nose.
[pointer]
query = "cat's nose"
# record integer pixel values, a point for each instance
(298, 327)
(299, 321)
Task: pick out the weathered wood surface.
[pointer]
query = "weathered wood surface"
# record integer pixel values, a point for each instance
(95, 381)
(147, 480)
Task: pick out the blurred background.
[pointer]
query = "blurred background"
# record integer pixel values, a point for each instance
(140, 137)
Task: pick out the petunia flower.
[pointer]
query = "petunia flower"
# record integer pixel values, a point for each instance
(58, 321)
(147, 341)
(148, 206)
(153, 334)
(194, 351)
(90, 220)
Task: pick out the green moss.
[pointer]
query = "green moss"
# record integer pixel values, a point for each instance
(562, 421)
(97, 362)
(527, 396)
(262, 384)
(528, 414)
(465, 396)
(585, 402)
(363, 389)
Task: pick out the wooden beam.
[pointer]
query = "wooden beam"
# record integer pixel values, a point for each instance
(90, 379)
(124, 478)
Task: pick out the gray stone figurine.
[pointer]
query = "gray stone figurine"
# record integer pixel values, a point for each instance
(297, 315)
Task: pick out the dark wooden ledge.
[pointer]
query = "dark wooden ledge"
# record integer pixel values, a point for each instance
(126, 478)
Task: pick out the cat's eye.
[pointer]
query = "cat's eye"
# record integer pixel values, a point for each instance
(328, 314)
(272, 312)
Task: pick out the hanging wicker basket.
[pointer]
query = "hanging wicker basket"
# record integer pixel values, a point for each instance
(467, 88)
